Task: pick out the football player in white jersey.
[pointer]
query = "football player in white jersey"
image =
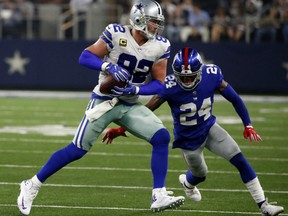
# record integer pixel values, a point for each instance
(135, 54)
(190, 95)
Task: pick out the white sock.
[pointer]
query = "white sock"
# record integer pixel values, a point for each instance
(36, 181)
(188, 185)
(256, 190)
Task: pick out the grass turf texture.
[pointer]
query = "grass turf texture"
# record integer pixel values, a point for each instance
(116, 179)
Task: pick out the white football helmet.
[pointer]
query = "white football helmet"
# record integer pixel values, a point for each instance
(147, 16)
(187, 67)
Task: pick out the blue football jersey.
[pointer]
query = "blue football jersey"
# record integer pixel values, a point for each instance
(192, 110)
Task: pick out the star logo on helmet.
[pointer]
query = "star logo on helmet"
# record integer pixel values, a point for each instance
(139, 6)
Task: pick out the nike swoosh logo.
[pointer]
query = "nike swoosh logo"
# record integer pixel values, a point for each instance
(23, 206)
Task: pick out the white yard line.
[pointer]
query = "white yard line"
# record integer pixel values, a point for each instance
(67, 139)
(145, 188)
(15, 166)
(87, 94)
(141, 155)
(140, 209)
(44, 94)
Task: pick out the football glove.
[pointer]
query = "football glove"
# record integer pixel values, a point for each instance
(251, 134)
(112, 133)
(119, 74)
(129, 90)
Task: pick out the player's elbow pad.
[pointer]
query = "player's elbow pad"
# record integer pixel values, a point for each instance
(90, 60)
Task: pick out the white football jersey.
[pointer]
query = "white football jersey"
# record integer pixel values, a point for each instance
(125, 52)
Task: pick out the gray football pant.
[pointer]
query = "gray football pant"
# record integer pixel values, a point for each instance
(219, 142)
(137, 119)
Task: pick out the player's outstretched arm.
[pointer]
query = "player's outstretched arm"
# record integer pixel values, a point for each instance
(154, 103)
(150, 88)
(231, 95)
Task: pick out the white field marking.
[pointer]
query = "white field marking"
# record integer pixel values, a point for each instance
(247, 144)
(139, 209)
(47, 130)
(145, 188)
(165, 118)
(87, 94)
(40, 109)
(44, 94)
(274, 110)
(140, 155)
(141, 143)
(38, 121)
(220, 119)
(61, 130)
(43, 141)
(258, 147)
(14, 166)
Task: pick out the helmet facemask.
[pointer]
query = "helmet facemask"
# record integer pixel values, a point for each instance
(188, 79)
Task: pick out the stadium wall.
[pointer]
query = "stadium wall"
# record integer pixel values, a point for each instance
(53, 65)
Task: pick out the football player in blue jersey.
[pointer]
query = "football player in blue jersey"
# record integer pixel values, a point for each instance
(137, 55)
(190, 95)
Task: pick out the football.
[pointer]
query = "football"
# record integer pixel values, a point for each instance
(108, 83)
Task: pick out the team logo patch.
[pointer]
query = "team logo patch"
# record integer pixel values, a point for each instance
(123, 42)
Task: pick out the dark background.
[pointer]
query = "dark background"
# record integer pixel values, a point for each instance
(53, 65)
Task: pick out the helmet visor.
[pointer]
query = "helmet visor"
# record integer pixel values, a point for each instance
(188, 81)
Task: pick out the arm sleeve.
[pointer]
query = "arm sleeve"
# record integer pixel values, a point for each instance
(231, 95)
(150, 88)
(90, 60)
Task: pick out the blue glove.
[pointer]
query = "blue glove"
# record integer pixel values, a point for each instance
(119, 74)
(129, 90)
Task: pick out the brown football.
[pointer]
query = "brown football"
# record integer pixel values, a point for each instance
(108, 83)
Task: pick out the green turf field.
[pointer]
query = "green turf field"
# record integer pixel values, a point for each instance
(116, 179)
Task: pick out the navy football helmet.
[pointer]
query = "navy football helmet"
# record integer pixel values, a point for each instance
(145, 13)
(187, 67)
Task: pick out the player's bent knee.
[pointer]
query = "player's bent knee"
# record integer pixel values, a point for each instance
(161, 137)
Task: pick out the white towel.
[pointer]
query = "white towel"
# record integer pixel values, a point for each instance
(98, 110)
